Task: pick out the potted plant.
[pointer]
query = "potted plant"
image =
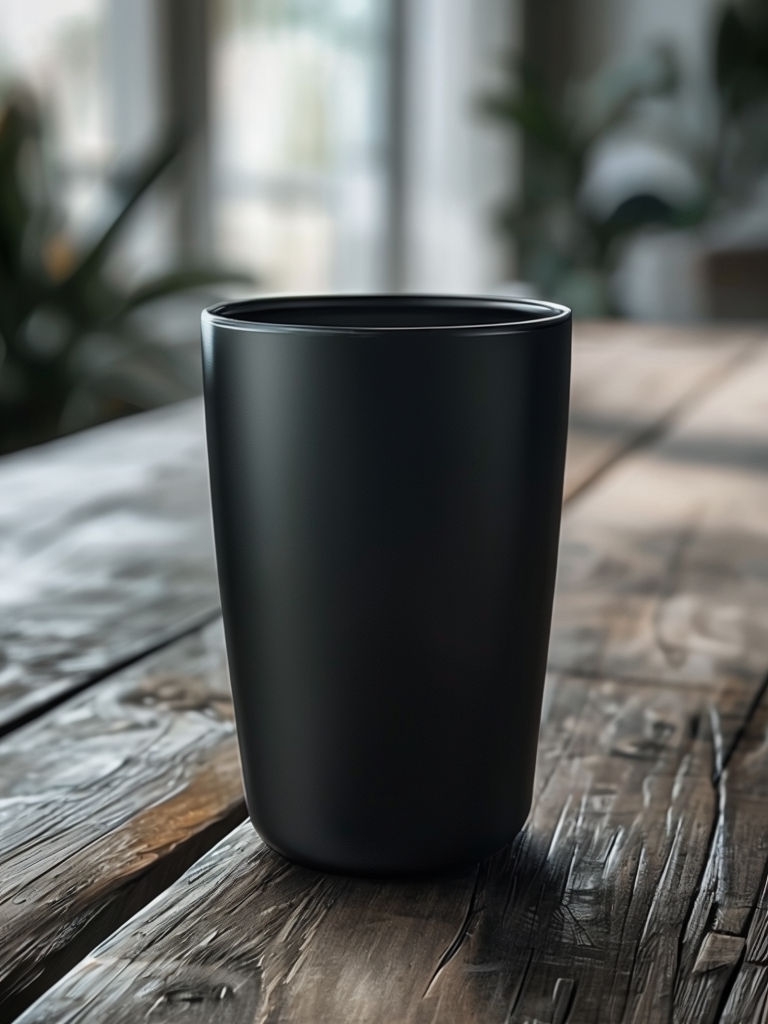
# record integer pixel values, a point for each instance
(71, 352)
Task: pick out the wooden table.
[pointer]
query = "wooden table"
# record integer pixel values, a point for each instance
(132, 888)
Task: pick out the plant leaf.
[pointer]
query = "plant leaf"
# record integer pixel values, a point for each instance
(133, 187)
(617, 93)
(179, 281)
(533, 115)
(732, 45)
(525, 102)
(741, 59)
(645, 209)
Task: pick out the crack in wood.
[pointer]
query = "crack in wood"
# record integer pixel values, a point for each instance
(734, 975)
(725, 995)
(456, 943)
(715, 855)
(718, 784)
(744, 725)
(518, 991)
(563, 999)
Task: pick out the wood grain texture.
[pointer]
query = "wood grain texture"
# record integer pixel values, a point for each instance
(637, 891)
(590, 915)
(105, 551)
(664, 565)
(107, 799)
(172, 802)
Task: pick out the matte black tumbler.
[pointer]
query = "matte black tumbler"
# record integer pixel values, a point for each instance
(387, 475)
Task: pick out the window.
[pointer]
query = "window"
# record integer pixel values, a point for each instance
(299, 136)
(297, 123)
(342, 149)
(57, 48)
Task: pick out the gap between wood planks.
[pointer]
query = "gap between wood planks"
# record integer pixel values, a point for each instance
(168, 638)
(656, 430)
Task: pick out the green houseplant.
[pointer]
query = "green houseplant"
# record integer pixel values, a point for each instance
(71, 353)
(562, 244)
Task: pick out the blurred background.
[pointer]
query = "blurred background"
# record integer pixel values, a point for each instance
(156, 154)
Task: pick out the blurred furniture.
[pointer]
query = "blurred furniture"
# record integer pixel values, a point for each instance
(637, 890)
(734, 283)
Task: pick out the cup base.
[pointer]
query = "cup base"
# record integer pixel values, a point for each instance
(360, 867)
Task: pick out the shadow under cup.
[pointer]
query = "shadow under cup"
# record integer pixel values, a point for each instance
(386, 478)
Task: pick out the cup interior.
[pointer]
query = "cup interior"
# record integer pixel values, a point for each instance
(390, 312)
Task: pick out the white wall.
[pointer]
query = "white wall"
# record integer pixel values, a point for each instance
(457, 164)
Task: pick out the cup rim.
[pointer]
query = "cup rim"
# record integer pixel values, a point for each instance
(240, 314)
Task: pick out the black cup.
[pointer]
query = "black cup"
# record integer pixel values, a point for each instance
(386, 475)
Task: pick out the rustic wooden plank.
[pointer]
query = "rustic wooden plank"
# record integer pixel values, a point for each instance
(105, 547)
(664, 565)
(100, 904)
(583, 918)
(104, 801)
(105, 552)
(605, 906)
(630, 379)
